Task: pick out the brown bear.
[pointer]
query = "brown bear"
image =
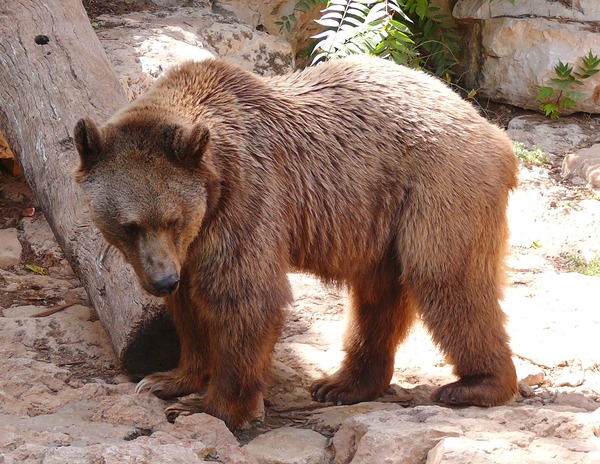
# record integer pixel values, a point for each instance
(217, 183)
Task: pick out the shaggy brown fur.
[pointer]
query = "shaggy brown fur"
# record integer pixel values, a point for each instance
(217, 183)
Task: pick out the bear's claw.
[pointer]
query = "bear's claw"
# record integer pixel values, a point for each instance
(143, 385)
(166, 385)
(335, 390)
(185, 407)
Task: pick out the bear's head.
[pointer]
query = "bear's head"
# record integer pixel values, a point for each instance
(141, 181)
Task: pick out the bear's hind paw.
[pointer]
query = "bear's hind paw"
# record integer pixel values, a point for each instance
(479, 390)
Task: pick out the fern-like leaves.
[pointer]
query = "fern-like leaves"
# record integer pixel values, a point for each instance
(561, 91)
(363, 27)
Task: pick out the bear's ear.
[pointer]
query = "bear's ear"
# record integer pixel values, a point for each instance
(88, 142)
(187, 144)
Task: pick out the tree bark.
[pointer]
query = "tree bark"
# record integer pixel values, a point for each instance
(52, 72)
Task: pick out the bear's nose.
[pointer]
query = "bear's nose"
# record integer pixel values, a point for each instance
(167, 285)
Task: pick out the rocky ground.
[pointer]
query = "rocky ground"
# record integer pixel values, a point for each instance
(63, 399)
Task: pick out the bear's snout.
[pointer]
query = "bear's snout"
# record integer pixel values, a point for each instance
(165, 286)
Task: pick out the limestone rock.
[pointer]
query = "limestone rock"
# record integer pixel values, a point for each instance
(143, 411)
(577, 400)
(168, 3)
(578, 10)
(208, 429)
(142, 45)
(583, 166)
(519, 56)
(461, 450)
(529, 373)
(258, 12)
(288, 446)
(10, 248)
(264, 15)
(392, 437)
(513, 49)
(525, 390)
(437, 435)
(555, 137)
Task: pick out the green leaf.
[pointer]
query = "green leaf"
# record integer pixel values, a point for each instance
(563, 70)
(37, 269)
(550, 109)
(327, 22)
(567, 103)
(544, 93)
(332, 15)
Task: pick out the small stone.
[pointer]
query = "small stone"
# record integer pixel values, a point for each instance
(461, 450)
(583, 166)
(288, 446)
(10, 248)
(529, 373)
(28, 212)
(525, 390)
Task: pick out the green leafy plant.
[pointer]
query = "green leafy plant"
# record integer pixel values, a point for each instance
(581, 265)
(436, 39)
(561, 92)
(409, 32)
(303, 6)
(363, 27)
(534, 157)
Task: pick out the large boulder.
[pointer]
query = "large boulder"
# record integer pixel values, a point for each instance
(142, 45)
(514, 49)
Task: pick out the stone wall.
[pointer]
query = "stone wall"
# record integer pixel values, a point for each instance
(513, 49)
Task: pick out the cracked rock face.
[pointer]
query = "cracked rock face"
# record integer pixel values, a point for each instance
(142, 45)
(519, 46)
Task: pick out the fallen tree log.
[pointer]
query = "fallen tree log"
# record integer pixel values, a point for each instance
(52, 72)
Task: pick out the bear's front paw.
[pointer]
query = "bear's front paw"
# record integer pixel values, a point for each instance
(166, 385)
(477, 390)
(233, 414)
(185, 407)
(340, 390)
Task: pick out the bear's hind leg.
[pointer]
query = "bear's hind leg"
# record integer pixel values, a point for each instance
(467, 323)
(193, 371)
(381, 315)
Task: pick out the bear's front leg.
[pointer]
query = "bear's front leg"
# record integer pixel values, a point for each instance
(244, 329)
(193, 371)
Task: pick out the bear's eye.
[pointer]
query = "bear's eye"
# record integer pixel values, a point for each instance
(131, 228)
